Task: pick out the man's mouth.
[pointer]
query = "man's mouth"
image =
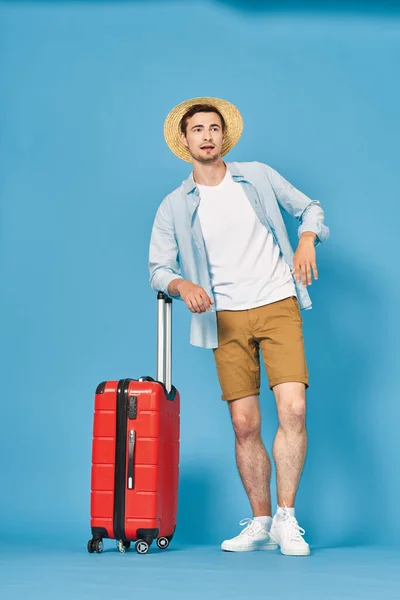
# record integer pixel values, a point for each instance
(207, 147)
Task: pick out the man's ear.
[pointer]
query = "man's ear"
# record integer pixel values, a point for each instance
(183, 139)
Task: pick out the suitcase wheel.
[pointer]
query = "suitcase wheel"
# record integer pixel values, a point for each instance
(95, 546)
(123, 546)
(163, 543)
(142, 547)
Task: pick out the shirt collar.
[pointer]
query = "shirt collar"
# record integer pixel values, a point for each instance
(189, 185)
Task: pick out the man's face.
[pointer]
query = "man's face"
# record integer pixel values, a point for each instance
(204, 137)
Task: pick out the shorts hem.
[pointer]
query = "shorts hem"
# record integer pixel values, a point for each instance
(243, 394)
(290, 379)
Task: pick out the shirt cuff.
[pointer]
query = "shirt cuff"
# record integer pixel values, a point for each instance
(166, 280)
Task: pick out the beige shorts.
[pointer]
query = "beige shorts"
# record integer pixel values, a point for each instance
(275, 328)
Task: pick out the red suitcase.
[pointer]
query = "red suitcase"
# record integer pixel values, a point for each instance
(135, 454)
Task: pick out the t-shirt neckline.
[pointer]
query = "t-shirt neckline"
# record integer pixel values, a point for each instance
(226, 178)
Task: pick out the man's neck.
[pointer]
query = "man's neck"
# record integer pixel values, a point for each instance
(211, 174)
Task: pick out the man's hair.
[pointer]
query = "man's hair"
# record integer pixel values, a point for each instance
(196, 108)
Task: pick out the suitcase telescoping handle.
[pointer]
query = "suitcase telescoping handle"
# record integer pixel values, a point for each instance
(164, 340)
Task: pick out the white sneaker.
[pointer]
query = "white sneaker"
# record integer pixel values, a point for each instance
(286, 532)
(253, 537)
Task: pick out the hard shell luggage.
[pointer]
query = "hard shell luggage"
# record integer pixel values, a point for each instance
(135, 454)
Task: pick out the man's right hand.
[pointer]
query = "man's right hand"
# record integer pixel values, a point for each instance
(194, 296)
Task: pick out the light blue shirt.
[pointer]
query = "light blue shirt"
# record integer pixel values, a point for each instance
(177, 247)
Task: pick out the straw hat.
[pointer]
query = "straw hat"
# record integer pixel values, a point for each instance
(233, 120)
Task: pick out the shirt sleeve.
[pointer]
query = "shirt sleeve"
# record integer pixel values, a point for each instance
(163, 252)
(308, 212)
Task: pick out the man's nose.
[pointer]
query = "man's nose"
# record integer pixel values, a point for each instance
(207, 136)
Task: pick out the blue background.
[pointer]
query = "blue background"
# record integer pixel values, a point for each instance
(85, 88)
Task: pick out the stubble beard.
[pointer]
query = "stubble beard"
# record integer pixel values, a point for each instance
(206, 160)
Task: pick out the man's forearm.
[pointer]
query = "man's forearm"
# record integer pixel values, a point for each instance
(173, 286)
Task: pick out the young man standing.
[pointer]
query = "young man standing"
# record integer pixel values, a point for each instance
(220, 245)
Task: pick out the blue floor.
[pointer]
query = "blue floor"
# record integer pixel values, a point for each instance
(191, 573)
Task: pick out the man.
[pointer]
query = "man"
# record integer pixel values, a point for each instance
(220, 245)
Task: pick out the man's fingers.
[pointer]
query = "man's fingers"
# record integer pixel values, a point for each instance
(194, 307)
(207, 301)
(204, 301)
(197, 305)
(314, 268)
(309, 276)
(303, 274)
(190, 306)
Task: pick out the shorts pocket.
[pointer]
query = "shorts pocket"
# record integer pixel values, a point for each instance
(295, 308)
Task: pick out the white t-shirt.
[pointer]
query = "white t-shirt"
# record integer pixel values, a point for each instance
(246, 266)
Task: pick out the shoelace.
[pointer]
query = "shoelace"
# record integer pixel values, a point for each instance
(294, 530)
(252, 527)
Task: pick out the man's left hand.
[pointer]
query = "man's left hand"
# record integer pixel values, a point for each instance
(305, 259)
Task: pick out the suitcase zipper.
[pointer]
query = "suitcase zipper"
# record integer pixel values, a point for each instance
(120, 459)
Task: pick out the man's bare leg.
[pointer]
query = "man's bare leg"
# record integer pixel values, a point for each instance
(290, 445)
(252, 459)
(289, 452)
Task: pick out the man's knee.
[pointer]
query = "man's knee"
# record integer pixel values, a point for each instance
(246, 420)
(292, 413)
(291, 405)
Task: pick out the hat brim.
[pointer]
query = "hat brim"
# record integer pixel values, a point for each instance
(232, 117)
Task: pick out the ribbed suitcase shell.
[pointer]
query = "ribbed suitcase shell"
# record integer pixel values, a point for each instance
(150, 508)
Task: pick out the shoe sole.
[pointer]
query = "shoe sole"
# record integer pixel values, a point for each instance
(249, 549)
(305, 552)
(291, 553)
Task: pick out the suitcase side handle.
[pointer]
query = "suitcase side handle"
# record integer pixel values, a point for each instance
(169, 395)
(131, 454)
(164, 340)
